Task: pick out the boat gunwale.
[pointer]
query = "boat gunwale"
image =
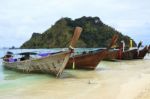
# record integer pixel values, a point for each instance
(34, 59)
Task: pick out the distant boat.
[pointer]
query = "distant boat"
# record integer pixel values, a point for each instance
(133, 53)
(141, 53)
(127, 55)
(120, 53)
(91, 59)
(136, 53)
(53, 63)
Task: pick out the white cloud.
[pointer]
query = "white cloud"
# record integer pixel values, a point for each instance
(19, 18)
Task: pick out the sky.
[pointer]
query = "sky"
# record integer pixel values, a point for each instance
(20, 18)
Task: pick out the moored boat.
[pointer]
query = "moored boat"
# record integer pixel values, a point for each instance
(54, 63)
(133, 53)
(121, 53)
(127, 55)
(87, 60)
(91, 59)
(141, 53)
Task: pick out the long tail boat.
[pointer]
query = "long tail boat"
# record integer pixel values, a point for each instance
(133, 53)
(127, 54)
(53, 64)
(89, 60)
(121, 54)
(141, 53)
(114, 54)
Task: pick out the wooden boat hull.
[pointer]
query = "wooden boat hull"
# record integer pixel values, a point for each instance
(90, 60)
(127, 55)
(86, 61)
(53, 64)
(141, 54)
(111, 55)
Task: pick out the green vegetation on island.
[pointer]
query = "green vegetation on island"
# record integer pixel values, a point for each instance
(95, 34)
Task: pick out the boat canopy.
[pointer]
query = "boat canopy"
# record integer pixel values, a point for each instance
(27, 53)
(9, 53)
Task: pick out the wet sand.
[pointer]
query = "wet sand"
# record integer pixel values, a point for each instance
(111, 80)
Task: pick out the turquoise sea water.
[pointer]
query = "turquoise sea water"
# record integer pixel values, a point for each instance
(105, 81)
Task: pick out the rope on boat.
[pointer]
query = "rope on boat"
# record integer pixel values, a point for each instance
(73, 63)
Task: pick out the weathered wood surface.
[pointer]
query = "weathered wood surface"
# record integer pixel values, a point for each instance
(53, 64)
(111, 55)
(87, 60)
(90, 60)
(127, 55)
